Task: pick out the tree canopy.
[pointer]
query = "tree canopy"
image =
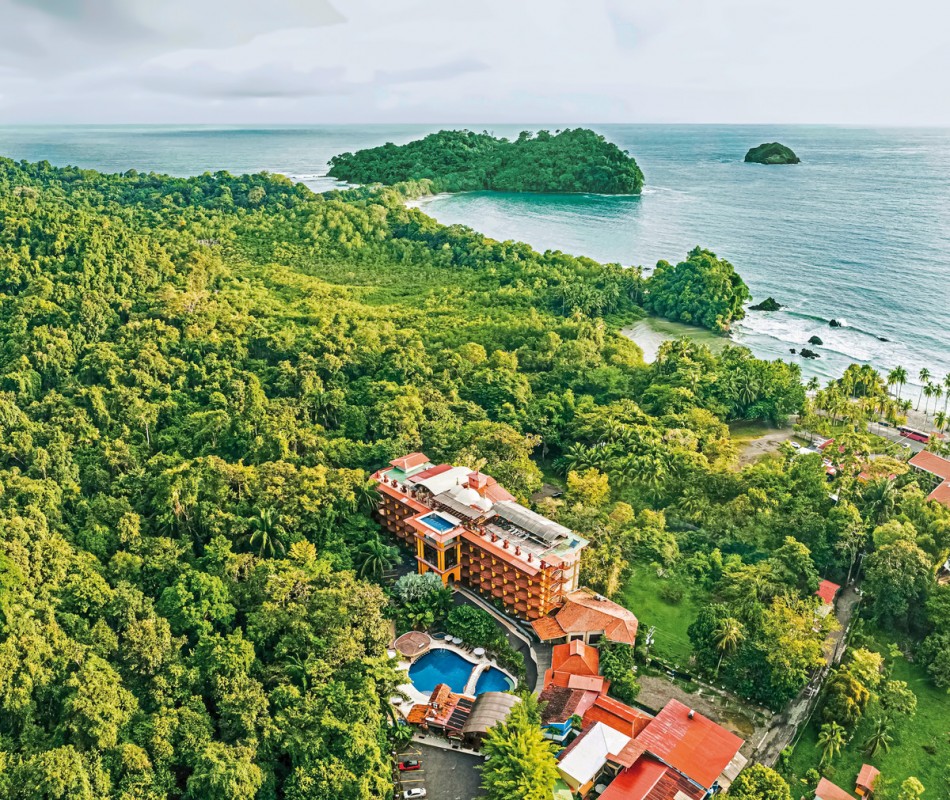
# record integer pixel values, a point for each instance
(572, 160)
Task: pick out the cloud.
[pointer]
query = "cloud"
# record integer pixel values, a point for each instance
(497, 60)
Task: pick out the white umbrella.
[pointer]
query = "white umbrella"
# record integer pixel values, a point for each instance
(479, 651)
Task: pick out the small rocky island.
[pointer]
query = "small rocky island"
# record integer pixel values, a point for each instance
(769, 304)
(771, 153)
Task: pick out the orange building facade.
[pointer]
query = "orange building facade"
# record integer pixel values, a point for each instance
(466, 528)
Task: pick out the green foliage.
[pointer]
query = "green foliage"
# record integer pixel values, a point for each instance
(420, 601)
(771, 153)
(478, 628)
(758, 782)
(519, 761)
(616, 665)
(702, 290)
(573, 160)
(198, 375)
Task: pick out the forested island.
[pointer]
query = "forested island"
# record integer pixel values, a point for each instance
(198, 376)
(573, 160)
(771, 153)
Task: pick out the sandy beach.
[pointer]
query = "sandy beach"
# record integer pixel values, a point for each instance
(651, 332)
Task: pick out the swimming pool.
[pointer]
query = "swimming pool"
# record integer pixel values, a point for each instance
(446, 666)
(440, 666)
(492, 680)
(437, 522)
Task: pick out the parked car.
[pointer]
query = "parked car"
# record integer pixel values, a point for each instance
(412, 794)
(795, 445)
(410, 764)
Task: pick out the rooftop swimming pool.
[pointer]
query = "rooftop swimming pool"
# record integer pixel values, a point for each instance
(437, 522)
(447, 666)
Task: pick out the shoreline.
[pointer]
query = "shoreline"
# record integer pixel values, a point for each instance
(650, 332)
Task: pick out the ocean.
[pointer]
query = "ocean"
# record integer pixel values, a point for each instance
(858, 232)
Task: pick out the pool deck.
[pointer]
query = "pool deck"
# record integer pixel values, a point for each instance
(479, 665)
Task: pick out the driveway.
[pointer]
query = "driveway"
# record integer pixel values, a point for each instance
(445, 774)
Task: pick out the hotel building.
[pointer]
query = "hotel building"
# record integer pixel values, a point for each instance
(466, 528)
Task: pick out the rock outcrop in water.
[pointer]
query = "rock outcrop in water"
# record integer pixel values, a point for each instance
(771, 153)
(806, 353)
(768, 304)
(816, 340)
(834, 324)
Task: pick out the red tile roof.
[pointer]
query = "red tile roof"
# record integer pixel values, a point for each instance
(648, 779)
(583, 612)
(417, 714)
(408, 462)
(941, 494)
(827, 591)
(828, 791)
(547, 628)
(617, 715)
(431, 472)
(575, 657)
(867, 777)
(697, 746)
(932, 463)
(592, 683)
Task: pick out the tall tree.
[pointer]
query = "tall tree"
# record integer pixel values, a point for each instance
(519, 760)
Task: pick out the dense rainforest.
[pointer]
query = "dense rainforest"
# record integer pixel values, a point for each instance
(196, 377)
(573, 160)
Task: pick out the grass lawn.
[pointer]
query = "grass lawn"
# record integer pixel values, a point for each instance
(921, 745)
(641, 595)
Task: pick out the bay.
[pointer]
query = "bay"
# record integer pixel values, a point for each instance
(858, 232)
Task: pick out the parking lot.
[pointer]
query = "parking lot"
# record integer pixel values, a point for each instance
(445, 774)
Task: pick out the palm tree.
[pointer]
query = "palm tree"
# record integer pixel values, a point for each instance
(375, 557)
(879, 498)
(936, 392)
(727, 638)
(264, 535)
(940, 420)
(900, 376)
(813, 384)
(946, 391)
(830, 740)
(880, 738)
(928, 393)
(924, 376)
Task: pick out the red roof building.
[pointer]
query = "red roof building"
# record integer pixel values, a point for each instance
(867, 777)
(586, 615)
(648, 779)
(617, 715)
(827, 591)
(575, 657)
(693, 745)
(932, 463)
(829, 791)
(409, 462)
(941, 494)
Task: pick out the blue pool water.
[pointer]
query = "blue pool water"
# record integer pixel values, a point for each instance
(492, 680)
(440, 666)
(444, 666)
(437, 522)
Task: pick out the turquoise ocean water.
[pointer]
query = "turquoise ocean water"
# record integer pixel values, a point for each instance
(859, 232)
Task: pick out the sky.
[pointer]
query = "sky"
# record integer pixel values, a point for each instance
(457, 61)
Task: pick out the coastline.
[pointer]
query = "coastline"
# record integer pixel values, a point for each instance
(650, 332)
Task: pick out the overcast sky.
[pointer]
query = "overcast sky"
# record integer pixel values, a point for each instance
(468, 61)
